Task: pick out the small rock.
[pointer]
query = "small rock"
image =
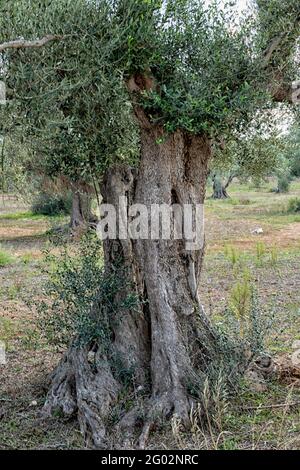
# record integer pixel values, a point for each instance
(255, 382)
(257, 231)
(263, 361)
(33, 403)
(296, 358)
(296, 344)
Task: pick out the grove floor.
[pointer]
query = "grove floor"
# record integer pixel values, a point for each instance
(270, 419)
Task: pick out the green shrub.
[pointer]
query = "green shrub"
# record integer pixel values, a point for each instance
(52, 204)
(274, 255)
(245, 201)
(240, 334)
(240, 299)
(232, 254)
(294, 205)
(5, 258)
(283, 185)
(244, 326)
(260, 252)
(7, 330)
(80, 297)
(295, 168)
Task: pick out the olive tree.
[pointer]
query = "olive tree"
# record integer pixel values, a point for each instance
(189, 72)
(64, 108)
(255, 156)
(291, 151)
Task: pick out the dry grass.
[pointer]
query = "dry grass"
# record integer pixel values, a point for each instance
(251, 421)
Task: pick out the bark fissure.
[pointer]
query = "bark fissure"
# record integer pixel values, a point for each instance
(81, 216)
(160, 341)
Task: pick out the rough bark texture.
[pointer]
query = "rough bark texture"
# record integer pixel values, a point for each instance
(167, 341)
(81, 216)
(220, 188)
(162, 341)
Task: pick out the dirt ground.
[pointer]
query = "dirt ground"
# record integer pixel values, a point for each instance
(251, 231)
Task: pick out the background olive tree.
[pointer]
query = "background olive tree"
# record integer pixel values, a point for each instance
(189, 73)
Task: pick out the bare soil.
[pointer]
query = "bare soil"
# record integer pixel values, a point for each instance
(30, 360)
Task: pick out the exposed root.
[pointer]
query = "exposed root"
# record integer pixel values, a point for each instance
(145, 434)
(61, 394)
(124, 431)
(89, 389)
(85, 383)
(164, 407)
(95, 390)
(150, 413)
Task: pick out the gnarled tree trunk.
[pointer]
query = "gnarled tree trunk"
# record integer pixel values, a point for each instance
(220, 188)
(81, 216)
(166, 341)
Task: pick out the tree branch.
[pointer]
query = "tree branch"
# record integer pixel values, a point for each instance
(276, 42)
(23, 43)
(281, 45)
(230, 178)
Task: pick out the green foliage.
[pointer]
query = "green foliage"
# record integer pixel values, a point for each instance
(232, 254)
(80, 302)
(27, 258)
(206, 65)
(249, 328)
(295, 167)
(283, 184)
(278, 18)
(240, 300)
(260, 252)
(203, 72)
(69, 99)
(294, 205)
(254, 155)
(5, 258)
(14, 162)
(292, 151)
(274, 255)
(51, 204)
(241, 335)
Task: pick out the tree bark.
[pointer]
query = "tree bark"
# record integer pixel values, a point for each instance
(166, 341)
(220, 188)
(81, 216)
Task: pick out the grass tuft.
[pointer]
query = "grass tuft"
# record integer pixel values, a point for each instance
(5, 258)
(21, 215)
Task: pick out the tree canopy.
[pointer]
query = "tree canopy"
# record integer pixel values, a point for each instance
(195, 67)
(190, 72)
